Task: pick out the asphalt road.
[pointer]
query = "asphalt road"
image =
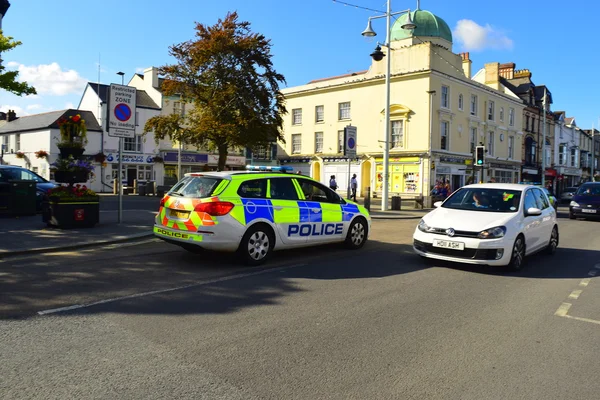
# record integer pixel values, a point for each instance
(154, 322)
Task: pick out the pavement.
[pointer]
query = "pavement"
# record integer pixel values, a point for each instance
(150, 320)
(28, 234)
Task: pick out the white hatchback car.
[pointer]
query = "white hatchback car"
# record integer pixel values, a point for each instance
(489, 224)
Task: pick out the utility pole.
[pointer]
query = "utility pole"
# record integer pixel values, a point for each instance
(544, 141)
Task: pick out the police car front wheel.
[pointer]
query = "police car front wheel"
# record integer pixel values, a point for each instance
(257, 244)
(357, 234)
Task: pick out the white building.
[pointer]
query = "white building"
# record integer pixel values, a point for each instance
(567, 151)
(22, 137)
(138, 152)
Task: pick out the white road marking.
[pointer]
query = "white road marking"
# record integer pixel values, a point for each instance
(592, 273)
(584, 282)
(575, 294)
(160, 291)
(563, 310)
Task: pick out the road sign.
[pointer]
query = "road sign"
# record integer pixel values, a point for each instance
(350, 141)
(121, 116)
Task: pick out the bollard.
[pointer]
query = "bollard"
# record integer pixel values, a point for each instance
(368, 199)
(115, 186)
(135, 188)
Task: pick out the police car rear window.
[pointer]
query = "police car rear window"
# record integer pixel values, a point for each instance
(253, 189)
(195, 186)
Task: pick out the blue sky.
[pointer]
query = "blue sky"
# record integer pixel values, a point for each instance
(63, 40)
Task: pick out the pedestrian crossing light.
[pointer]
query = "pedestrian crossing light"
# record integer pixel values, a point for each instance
(479, 155)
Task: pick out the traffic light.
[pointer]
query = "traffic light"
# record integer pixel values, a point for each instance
(479, 155)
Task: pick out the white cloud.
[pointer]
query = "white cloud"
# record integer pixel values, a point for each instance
(32, 107)
(69, 105)
(139, 70)
(474, 37)
(50, 78)
(18, 110)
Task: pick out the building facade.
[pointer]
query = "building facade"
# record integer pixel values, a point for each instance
(569, 154)
(438, 114)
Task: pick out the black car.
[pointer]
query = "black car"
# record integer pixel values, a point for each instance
(586, 201)
(11, 172)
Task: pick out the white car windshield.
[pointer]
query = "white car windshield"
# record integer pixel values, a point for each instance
(484, 199)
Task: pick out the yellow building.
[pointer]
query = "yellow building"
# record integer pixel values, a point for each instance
(438, 114)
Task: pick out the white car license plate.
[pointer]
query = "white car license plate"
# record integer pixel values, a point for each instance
(585, 210)
(445, 244)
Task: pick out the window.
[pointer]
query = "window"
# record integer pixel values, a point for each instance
(473, 139)
(397, 134)
(490, 144)
(548, 154)
(177, 107)
(483, 199)
(5, 142)
(340, 141)
(17, 142)
(562, 154)
(194, 186)
(260, 153)
(296, 143)
(530, 151)
(503, 176)
(473, 105)
(460, 102)
(445, 97)
(144, 172)
(297, 116)
(511, 117)
(501, 114)
(490, 110)
(319, 113)
(574, 158)
(253, 189)
(314, 191)
(530, 201)
(344, 111)
(133, 144)
(540, 199)
(444, 130)
(511, 147)
(527, 122)
(282, 189)
(318, 142)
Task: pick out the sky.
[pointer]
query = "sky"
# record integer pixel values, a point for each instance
(67, 43)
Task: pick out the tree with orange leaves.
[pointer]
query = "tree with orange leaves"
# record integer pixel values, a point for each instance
(227, 75)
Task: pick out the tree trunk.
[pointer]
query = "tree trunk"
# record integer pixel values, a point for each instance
(222, 158)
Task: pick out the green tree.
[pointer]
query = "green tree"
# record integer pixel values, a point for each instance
(227, 76)
(8, 80)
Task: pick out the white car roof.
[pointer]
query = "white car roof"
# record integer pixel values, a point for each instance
(501, 186)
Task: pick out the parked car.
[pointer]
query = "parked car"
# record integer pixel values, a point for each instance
(489, 224)
(12, 172)
(586, 202)
(567, 195)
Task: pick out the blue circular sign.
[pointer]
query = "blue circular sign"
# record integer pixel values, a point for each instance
(122, 112)
(351, 143)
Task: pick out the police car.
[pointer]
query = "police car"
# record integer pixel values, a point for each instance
(256, 212)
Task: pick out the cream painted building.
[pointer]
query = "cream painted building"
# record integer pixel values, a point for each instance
(438, 114)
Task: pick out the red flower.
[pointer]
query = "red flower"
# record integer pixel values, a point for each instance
(76, 118)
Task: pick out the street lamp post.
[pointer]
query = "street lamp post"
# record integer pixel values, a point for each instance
(544, 142)
(378, 56)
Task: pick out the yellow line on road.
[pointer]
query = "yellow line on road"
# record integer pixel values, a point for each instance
(575, 294)
(584, 282)
(563, 310)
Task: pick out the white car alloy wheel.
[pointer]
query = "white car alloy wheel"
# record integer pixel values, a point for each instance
(258, 245)
(553, 241)
(518, 254)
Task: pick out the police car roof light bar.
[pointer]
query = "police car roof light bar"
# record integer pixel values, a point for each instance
(268, 168)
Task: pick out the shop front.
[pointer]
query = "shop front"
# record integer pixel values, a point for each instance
(233, 163)
(301, 165)
(571, 176)
(531, 175)
(405, 176)
(452, 171)
(140, 167)
(338, 166)
(503, 172)
(190, 162)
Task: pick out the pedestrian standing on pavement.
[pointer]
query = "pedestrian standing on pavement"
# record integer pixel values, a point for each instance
(353, 186)
(332, 183)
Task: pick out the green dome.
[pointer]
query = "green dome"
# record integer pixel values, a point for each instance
(427, 25)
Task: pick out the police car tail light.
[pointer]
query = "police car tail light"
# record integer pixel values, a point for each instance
(214, 208)
(162, 201)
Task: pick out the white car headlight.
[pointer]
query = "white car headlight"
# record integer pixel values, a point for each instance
(423, 227)
(492, 233)
(573, 204)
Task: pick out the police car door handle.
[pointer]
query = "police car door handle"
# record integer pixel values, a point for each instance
(316, 210)
(278, 208)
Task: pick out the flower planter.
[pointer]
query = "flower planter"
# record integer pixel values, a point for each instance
(71, 177)
(76, 152)
(71, 213)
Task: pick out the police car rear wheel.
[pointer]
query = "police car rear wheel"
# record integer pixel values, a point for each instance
(357, 234)
(257, 244)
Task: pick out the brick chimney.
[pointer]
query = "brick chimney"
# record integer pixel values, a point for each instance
(466, 64)
(492, 74)
(507, 70)
(11, 116)
(523, 73)
(151, 75)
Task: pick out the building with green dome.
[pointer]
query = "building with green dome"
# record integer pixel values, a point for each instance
(438, 114)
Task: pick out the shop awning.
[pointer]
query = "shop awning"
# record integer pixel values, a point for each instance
(551, 172)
